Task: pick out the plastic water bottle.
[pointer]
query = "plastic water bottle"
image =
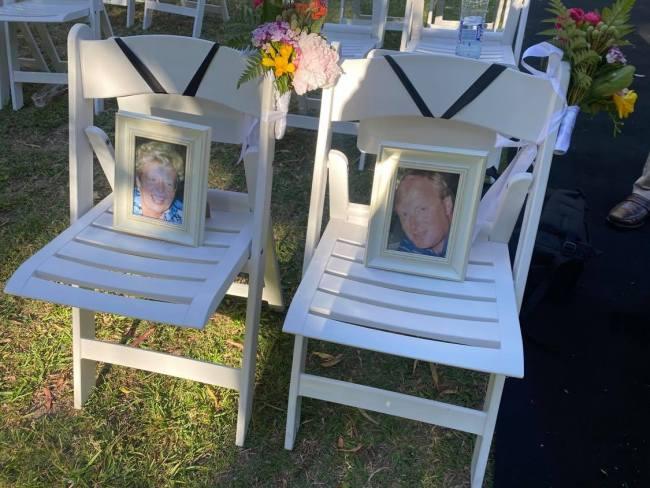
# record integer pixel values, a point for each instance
(472, 19)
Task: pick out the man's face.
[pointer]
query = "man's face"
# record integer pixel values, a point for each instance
(157, 185)
(424, 215)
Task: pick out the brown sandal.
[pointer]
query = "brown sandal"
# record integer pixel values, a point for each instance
(631, 213)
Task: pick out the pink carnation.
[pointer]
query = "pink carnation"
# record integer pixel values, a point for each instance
(592, 18)
(577, 14)
(317, 64)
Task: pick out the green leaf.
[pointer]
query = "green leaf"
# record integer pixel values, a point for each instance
(253, 70)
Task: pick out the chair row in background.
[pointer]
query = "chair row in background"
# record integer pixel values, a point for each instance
(24, 23)
(357, 35)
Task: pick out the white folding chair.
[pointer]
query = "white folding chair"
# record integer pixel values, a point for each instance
(19, 16)
(195, 9)
(358, 39)
(93, 267)
(358, 17)
(501, 42)
(472, 324)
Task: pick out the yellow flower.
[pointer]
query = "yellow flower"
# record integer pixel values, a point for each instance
(624, 101)
(279, 61)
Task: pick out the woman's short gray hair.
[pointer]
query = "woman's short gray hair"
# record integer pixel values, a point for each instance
(163, 153)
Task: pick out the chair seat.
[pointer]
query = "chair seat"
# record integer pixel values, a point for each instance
(471, 324)
(44, 11)
(492, 51)
(93, 266)
(355, 44)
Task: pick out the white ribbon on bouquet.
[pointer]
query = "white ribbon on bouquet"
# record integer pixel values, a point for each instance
(525, 157)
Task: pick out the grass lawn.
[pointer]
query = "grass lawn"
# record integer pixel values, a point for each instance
(141, 429)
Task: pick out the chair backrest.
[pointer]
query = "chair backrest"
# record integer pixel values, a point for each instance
(179, 73)
(508, 23)
(419, 101)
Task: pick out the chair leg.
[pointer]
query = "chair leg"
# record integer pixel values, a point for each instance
(272, 293)
(148, 12)
(50, 50)
(247, 382)
(15, 87)
(83, 370)
(5, 92)
(130, 13)
(362, 161)
(105, 23)
(198, 20)
(483, 442)
(225, 15)
(293, 408)
(38, 59)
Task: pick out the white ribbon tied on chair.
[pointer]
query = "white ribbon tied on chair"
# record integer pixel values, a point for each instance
(250, 133)
(525, 158)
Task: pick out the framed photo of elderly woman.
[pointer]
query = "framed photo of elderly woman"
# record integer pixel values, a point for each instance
(423, 209)
(161, 177)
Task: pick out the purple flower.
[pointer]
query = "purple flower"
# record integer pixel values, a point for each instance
(615, 55)
(274, 32)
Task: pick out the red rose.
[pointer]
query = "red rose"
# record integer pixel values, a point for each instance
(577, 14)
(592, 17)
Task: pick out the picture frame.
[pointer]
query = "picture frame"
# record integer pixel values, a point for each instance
(423, 209)
(161, 176)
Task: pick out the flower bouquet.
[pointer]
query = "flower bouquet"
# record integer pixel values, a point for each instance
(289, 45)
(600, 74)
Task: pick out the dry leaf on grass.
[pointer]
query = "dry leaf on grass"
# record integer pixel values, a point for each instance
(375, 472)
(434, 375)
(368, 417)
(353, 450)
(236, 344)
(49, 399)
(215, 398)
(449, 391)
(328, 360)
(143, 337)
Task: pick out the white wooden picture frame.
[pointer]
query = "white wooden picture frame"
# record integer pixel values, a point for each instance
(423, 209)
(161, 177)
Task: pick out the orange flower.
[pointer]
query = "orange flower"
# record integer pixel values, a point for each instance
(316, 8)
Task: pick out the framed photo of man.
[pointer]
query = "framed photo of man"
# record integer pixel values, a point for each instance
(423, 209)
(161, 177)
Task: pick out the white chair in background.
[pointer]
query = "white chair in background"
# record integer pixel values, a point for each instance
(472, 324)
(501, 42)
(354, 41)
(130, 9)
(19, 15)
(357, 40)
(358, 17)
(195, 9)
(93, 267)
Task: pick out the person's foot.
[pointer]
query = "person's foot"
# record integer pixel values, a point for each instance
(630, 213)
